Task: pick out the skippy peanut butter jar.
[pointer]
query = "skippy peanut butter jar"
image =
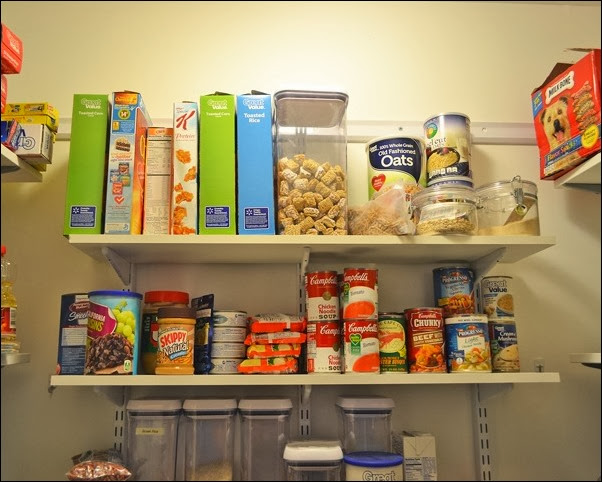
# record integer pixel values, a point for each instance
(176, 341)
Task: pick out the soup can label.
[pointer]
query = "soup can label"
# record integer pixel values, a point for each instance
(322, 296)
(504, 347)
(360, 347)
(426, 340)
(496, 297)
(454, 290)
(395, 160)
(392, 343)
(324, 347)
(467, 344)
(360, 294)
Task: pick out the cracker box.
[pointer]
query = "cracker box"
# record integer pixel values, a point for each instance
(84, 203)
(566, 113)
(11, 52)
(217, 159)
(157, 186)
(35, 144)
(125, 171)
(185, 168)
(255, 164)
(419, 456)
(4, 91)
(73, 331)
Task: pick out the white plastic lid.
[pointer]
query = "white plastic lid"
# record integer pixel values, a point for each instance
(313, 450)
(153, 405)
(265, 404)
(210, 405)
(366, 403)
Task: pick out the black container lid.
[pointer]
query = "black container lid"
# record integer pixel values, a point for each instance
(176, 312)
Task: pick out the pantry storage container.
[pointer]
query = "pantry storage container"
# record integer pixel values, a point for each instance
(313, 460)
(364, 423)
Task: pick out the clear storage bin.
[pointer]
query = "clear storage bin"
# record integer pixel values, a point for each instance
(313, 460)
(208, 439)
(152, 429)
(311, 157)
(265, 431)
(364, 423)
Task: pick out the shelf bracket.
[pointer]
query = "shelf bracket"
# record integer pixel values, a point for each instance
(122, 266)
(483, 265)
(302, 267)
(304, 411)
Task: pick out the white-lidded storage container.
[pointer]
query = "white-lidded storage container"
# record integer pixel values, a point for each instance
(319, 460)
(208, 440)
(152, 429)
(364, 423)
(265, 431)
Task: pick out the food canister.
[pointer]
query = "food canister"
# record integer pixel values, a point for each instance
(322, 296)
(229, 318)
(497, 300)
(324, 347)
(454, 290)
(176, 341)
(360, 293)
(504, 345)
(360, 346)
(426, 340)
(373, 466)
(467, 343)
(392, 343)
(313, 460)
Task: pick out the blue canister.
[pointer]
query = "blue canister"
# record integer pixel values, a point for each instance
(454, 290)
(373, 466)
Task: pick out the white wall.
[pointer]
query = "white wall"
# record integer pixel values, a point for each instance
(397, 60)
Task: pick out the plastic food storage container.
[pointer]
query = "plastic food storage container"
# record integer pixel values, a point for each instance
(311, 158)
(152, 428)
(445, 210)
(208, 427)
(373, 466)
(364, 423)
(313, 460)
(508, 208)
(265, 431)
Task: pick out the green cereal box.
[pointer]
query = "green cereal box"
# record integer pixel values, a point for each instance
(217, 173)
(84, 202)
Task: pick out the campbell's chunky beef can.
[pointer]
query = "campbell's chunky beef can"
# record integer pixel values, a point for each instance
(324, 347)
(360, 294)
(426, 340)
(360, 346)
(392, 343)
(322, 296)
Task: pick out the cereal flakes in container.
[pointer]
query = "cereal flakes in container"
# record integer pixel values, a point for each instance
(445, 210)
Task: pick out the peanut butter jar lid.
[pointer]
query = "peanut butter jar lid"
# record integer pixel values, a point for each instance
(176, 312)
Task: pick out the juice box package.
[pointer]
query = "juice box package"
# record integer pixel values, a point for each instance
(157, 186)
(126, 164)
(217, 173)
(185, 162)
(84, 203)
(73, 331)
(566, 113)
(255, 172)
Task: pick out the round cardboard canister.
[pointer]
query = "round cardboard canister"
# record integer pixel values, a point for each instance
(373, 466)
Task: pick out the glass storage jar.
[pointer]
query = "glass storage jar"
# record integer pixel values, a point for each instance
(445, 210)
(508, 208)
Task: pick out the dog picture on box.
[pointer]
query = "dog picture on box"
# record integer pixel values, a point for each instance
(555, 121)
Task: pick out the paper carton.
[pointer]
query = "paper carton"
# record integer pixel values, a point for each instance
(157, 187)
(73, 332)
(35, 144)
(419, 456)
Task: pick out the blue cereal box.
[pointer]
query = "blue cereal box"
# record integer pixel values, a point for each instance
(73, 331)
(255, 164)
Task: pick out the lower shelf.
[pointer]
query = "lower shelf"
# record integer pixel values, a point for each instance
(314, 379)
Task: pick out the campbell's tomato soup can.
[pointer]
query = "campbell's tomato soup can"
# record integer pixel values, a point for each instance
(360, 346)
(360, 294)
(324, 347)
(454, 290)
(392, 343)
(426, 340)
(322, 296)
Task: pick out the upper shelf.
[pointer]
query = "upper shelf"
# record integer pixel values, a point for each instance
(584, 176)
(587, 359)
(14, 169)
(14, 358)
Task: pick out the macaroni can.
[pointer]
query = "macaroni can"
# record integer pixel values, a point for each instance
(360, 294)
(322, 296)
(497, 300)
(176, 341)
(360, 346)
(392, 343)
(447, 145)
(467, 344)
(504, 346)
(324, 347)
(454, 290)
(426, 340)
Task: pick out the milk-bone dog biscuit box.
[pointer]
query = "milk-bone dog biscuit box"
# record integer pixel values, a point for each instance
(566, 113)
(11, 52)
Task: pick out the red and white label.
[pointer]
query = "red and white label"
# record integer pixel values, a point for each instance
(426, 340)
(360, 294)
(322, 295)
(324, 347)
(361, 347)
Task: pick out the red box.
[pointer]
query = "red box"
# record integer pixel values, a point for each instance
(4, 91)
(566, 114)
(11, 52)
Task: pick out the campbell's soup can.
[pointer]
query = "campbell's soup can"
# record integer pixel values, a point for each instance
(467, 344)
(392, 343)
(360, 346)
(426, 340)
(322, 296)
(340, 285)
(360, 294)
(497, 298)
(504, 346)
(454, 290)
(324, 347)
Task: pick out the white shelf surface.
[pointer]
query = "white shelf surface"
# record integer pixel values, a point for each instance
(314, 379)
(586, 174)
(287, 249)
(15, 169)
(14, 358)
(587, 359)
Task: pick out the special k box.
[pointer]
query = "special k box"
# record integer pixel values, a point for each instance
(185, 162)
(125, 170)
(566, 113)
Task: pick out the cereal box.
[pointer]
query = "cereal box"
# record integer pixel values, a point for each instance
(217, 165)
(125, 174)
(185, 163)
(157, 187)
(566, 113)
(255, 191)
(84, 204)
(73, 331)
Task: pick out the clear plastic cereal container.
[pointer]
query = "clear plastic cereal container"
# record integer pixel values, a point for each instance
(445, 210)
(310, 460)
(311, 158)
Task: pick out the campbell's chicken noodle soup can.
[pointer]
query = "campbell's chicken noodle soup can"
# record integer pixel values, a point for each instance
(360, 346)
(322, 296)
(454, 290)
(340, 285)
(360, 294)
(392, 343)
(426, 340)
(324, 347)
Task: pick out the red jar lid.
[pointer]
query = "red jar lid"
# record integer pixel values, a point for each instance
(166, 296)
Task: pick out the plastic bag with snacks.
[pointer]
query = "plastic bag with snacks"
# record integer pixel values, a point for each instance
(98, 465)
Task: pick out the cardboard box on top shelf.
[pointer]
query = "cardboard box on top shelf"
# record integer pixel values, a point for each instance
(11, 52)
(566, 113)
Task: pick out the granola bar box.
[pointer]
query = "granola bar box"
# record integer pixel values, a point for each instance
(255, 172)
(566, 113)
(217, 174)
